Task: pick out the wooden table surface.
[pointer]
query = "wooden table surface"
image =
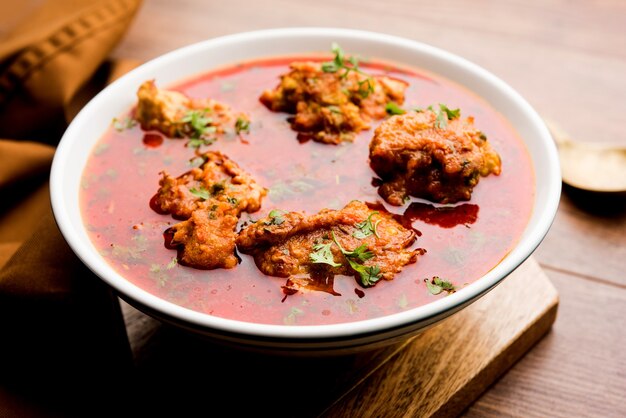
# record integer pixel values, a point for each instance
(568, 59)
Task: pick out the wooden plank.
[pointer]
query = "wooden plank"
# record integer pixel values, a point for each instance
(439, 372)
(578, 369)
(445, 369)
(597, 224)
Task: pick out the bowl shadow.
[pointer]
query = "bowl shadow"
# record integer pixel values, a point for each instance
(192, 375)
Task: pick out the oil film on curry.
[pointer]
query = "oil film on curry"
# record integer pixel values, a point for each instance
(307, 190)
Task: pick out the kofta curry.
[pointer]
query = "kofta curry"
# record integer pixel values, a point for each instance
(307, 190)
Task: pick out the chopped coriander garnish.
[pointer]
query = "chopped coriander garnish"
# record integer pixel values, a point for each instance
(360, 252)
(172, 263)
(197, 161)
(366, 228)
(275, 213)
(369, 274)
(442, 120)
(450, 113)
(200, 192)
(366, 87)
(323, 255)
(334, 109)
(339, 63)
(436, 285)
(276, 217)
(198, 142)
(232, 200)
(444, 115)
(242, 125)
(123, 124)
(199, 122)
(392, 108)
(201, 126)
(204, 193)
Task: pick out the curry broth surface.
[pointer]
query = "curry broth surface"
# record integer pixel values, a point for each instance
(462, 242)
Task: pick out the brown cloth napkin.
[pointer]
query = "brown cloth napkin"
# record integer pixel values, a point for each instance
(62, 336)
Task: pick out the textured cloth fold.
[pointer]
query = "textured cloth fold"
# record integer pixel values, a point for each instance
(49, 57)
(62, 335)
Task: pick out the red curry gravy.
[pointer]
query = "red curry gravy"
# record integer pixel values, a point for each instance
(462, 241)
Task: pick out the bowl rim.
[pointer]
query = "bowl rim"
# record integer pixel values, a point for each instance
(346, 330)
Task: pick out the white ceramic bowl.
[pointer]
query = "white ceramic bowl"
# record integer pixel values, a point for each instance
(95, 118)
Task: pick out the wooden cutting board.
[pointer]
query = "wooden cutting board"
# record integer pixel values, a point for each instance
(438, 373)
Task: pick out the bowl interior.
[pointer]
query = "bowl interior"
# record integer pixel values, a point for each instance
(95, 118)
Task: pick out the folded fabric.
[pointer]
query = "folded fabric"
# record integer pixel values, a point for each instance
(49, 55)
(62, 335)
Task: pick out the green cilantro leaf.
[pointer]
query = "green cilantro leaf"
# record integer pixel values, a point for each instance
(199, 122)
(392, 108)
(366, 87)
(450, 113)
(323, 255)
(330, 67)
(334, 109)
(441, 121)
(366, 228)
(369, 274)
(197, 161)
(198, 142)
(436, 285)
(123, 124)
(444, 115)
(242, 125)
(337, 63)
(360, 252)
(172, 263)
(200, 192)
(276, 217)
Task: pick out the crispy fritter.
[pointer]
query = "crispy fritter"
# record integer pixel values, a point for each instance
(210, 198)
(207, 239)
(171, 113)
(328, 243)
(332, 107)
(425, 155)
(218, 179)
